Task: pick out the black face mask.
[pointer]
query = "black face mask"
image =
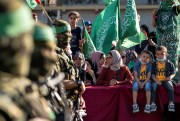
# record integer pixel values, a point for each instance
(63, 40)
(41, 65)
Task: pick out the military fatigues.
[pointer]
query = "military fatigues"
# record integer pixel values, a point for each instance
(19, 99)
(65, 65)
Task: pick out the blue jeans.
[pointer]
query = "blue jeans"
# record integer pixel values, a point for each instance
(167, 85)
(135, 86)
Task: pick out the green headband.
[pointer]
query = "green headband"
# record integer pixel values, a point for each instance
(62, 29)
(16, 22)
(43, 33)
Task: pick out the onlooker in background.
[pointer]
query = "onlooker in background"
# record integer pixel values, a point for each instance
(116, 73)
(152, 43)
(91, 69)
(76, 41)
(88, 25)
(79, 61)
(99, 58)
(140, 47)
(142, 74)
(131, 58)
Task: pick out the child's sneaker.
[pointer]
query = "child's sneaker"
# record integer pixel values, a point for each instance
(153, 107)
(147, 108)
(135, 108)
(171, 107)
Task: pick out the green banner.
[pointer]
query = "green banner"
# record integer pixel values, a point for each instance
(107, 27)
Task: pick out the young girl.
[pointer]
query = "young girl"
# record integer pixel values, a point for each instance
(115, 73)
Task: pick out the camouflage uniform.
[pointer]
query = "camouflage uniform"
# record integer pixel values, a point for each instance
(65, 63)
(19, 98)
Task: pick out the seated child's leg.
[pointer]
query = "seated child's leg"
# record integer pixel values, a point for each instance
(148, 91)
(170, 90)
(169, 87)
(135, 88)
(153, 96)
(147, 88)
(153, 91)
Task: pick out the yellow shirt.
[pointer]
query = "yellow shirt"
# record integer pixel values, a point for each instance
(160, 71)
(143, 72)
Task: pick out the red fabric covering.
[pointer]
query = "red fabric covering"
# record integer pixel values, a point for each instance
(115, 104)
(107, 74)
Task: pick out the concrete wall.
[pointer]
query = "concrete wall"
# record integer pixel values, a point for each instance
(145, 11)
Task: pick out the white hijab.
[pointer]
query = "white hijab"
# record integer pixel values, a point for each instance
(117, 60)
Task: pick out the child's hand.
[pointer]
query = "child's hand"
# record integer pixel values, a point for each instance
(81, 42)
(168, 79)
(113, 82)
(91, 72)
(151, 42)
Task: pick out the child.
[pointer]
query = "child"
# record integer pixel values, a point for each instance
(76, 41)
(142, 74)
(162, 73)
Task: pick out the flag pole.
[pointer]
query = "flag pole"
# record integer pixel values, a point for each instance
(39, 3)
(46, 13)
(82, 20)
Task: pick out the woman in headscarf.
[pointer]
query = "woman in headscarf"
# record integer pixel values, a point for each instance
(91, 69)
(116, 73)
(99, 58)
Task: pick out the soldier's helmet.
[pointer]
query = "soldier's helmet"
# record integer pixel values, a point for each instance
(43, 56)
(16, 43)
(63, 33)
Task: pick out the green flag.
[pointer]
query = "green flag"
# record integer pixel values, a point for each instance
(133, 40)
(130, 25)
(107, 27)
(32, 3)
(88, 46)
(107, 2)
(131, 34)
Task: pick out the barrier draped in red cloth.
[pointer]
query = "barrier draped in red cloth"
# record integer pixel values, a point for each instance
(115, 104)
(101, 103)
